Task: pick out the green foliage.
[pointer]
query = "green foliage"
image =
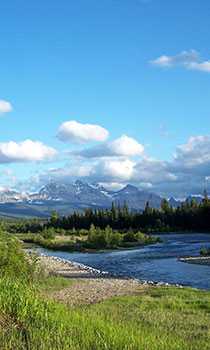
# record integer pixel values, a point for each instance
(156, 319)
(94, 238)
(98, 238)
(48, 233)
(54, 217)
(205, 251)
(130, 237)
(12, 259)
(189, 216)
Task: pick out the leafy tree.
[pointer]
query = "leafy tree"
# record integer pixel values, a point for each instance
(54, 218)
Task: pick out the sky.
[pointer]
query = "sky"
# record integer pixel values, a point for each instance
(111, 91)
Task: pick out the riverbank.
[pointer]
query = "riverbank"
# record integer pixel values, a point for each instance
(89, 285)
(98, 242)
(200, 260)
(69, 269)
(39, 309)
(151, 263)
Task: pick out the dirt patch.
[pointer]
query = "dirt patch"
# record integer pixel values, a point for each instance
(90, 291)
(89, 286)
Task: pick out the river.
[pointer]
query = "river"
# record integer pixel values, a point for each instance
(156, 262)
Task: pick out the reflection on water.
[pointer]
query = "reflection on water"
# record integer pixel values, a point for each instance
(157, 262)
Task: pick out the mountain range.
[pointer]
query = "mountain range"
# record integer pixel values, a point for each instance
(79, 195)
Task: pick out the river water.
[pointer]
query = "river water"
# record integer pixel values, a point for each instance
(155, 262)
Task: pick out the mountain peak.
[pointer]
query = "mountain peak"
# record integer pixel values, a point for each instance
(129, 188)
(65, 197)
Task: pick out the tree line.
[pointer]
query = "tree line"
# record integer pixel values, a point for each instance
(189, 216)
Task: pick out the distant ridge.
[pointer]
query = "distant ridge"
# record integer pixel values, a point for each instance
(79, 195)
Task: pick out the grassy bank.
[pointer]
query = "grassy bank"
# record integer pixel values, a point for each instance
(158, 319)
(87, 240)
(154, 319)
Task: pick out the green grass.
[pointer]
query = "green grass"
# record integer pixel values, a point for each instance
(82, 243)
(53, 283)
(158, 318)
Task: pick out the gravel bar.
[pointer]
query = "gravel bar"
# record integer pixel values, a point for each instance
(200, 260)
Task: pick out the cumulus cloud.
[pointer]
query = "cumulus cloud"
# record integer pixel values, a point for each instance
(5, 107)
(69, 172)
(114, 170)
(185, 173)
(153, 171)
(187, 59)
(194, 153)
(25, 151)
(123, 146)
(74, 132)
(100, 171)
(115, 164)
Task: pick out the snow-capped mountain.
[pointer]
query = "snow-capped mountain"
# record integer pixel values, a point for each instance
(136, 198)
(78, 192)
(85, 194)
(81, 195)
(11, 196)
(76, 196)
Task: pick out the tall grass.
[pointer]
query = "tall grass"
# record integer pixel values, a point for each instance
(156, 319)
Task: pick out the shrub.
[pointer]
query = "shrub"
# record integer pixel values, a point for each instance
(130, 237)
(48, 233)
(13, 261)
(205, 251)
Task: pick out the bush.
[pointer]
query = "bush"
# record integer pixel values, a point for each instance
(129, 237)
(205, 251)
(13, 261)
(141, 237)
(48, 233)
(107, 238)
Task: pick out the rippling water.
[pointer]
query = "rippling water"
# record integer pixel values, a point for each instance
(155, 262)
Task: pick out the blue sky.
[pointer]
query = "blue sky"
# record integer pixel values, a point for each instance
(100, 63)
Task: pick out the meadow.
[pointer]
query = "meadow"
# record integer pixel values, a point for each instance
(157, 318)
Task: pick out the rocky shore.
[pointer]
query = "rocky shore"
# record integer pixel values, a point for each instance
(69, 269)
(200, 260)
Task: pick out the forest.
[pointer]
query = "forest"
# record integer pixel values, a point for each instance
(189, 216)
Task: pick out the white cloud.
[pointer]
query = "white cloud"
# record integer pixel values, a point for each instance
(126, 146)
(74, 132)
(70, 171)
(123, 146)
(102, 171)
(195, 152)
(202, 66)
(112, 164)
(187, 59)
(112, 186)
(25, 151)
(114, 170)
(185, 173)
(153, 171)
(5, 107)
